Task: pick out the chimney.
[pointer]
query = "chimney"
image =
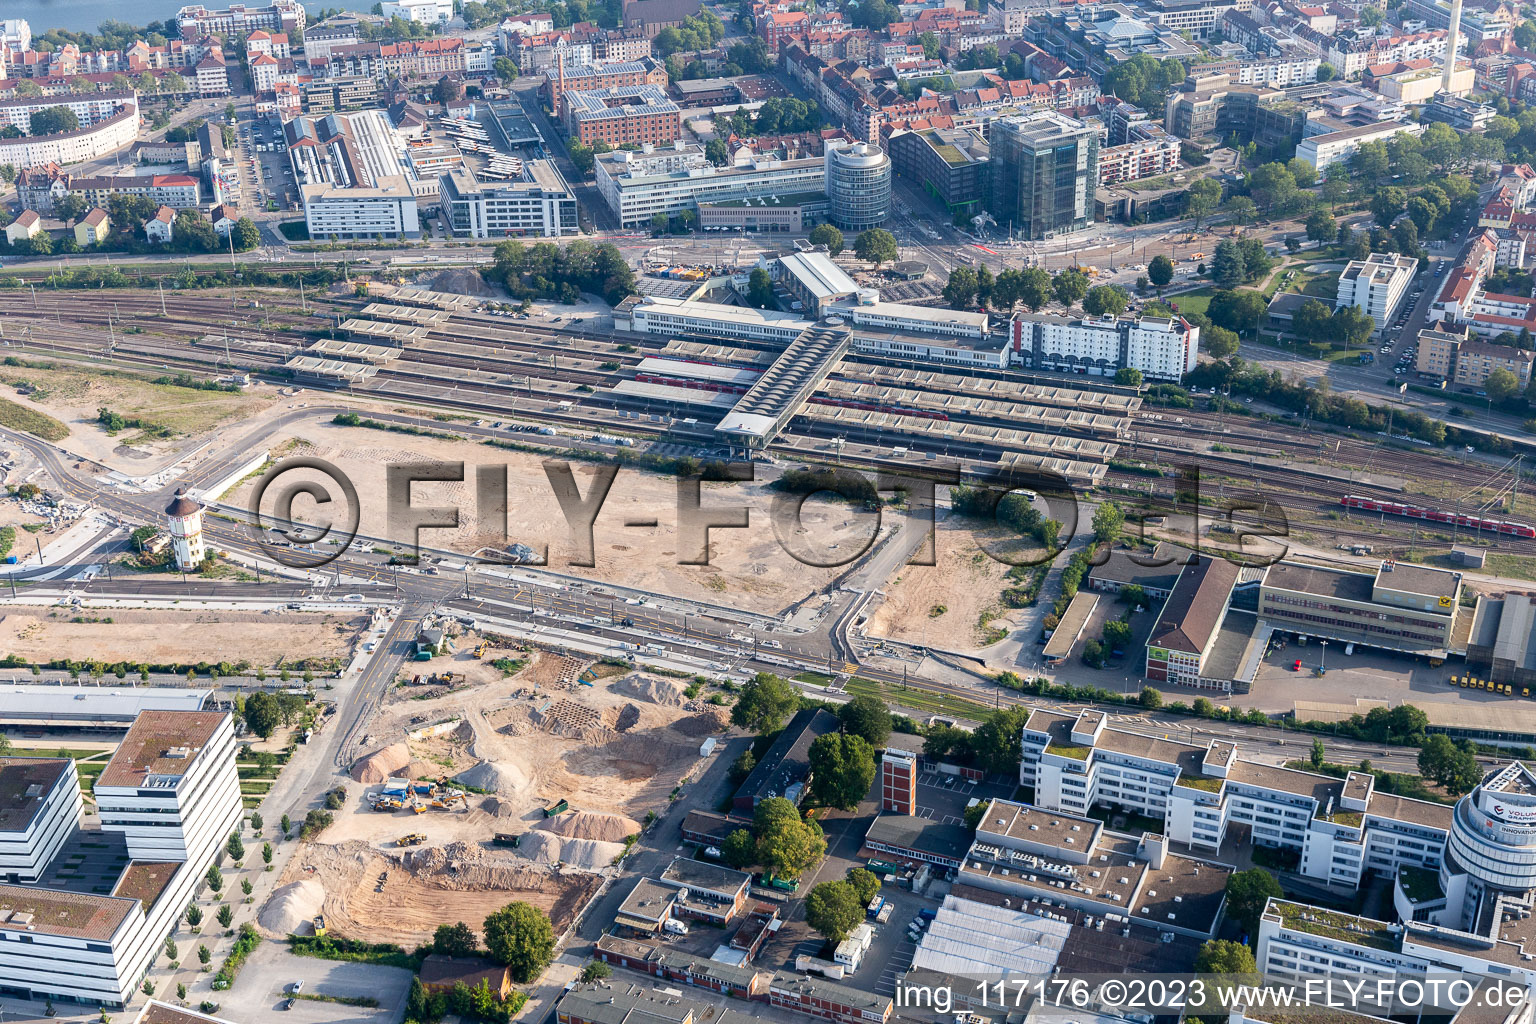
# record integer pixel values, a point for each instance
(1450, 46)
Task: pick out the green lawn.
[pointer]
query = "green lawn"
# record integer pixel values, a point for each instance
(1197, 301)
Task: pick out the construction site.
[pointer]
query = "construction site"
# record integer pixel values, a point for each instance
(522, 787)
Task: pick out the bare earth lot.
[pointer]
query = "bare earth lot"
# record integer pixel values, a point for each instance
(166, 637)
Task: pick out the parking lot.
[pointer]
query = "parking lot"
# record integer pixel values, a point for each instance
(261, 990)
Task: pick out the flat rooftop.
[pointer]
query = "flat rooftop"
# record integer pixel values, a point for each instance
(160, 744)
(924, 835)
(786, 385)
(1158, 569)
(687, 872)
(1320, 582)
(156, 1012)
(57, 912)
(31, 702)
(908, 311)
(146, 880)
(1408, 578)
(1004, 818)
(25, 783)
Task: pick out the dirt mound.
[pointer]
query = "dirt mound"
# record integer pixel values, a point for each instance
(705, 723)
(498, 808)
(495, 777)
(629, 716)
(421, 770)
(608, 828)
(381, 764)
(456, 282)
(654, 689)
(292, 907)
(584, 854)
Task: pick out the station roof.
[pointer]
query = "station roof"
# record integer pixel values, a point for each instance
(721, 400)
(699, 371)
(785, 386)
(819, 275)
(357, 351)
(402, 334)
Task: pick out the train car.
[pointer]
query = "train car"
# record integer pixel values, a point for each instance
(1438, 515)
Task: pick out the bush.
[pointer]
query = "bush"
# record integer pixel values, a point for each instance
(244, 946)
(334, 947)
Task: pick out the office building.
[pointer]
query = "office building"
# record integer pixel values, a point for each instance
(669, 180)
(1044, 169)
(1378, 285)
(1186, 629)
(858, 183)
(1335, 830)
(795, 213)
(1400, 607)
(624, 115)
(1214, 105)
(87, 932)
(541, 206)
(1325, 150)
(1460, 113)
(654, 314)
(386, 209)
(949, 164)
(901, 316)
(570, 77)
(1162, 348)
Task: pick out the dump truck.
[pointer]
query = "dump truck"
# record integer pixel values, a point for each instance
(319, 924)
(412, 839)
(507, 839)
(563, 805)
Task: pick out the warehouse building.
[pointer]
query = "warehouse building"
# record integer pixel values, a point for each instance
(1401, 607)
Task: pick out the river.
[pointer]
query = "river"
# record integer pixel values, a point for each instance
(86, 15)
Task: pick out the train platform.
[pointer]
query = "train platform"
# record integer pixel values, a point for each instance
(785, 387)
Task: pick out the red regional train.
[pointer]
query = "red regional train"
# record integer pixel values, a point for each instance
(1437, 515)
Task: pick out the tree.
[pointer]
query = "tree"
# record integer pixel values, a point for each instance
(1160, 271)
(70, 207)
(505, 69)
(256, 821)
(827, 235)
(1321, 227)
(760, 289)
(1319, 755)
(930, 45)
(866, 884)
(225, 915)
(1108, 521)
(1117, 635)
(204, 955)
(1453, 766)
(1105, 300)
(1151, 699)
(1240, 209)
(1272, 186)
(235, 847)
(842, 769)
(193, 915)
(1387, 204)
(595, 970)
(786, 845)
(1036, 288)
(1223, 956)
(867, 717)
(247, 235)
(286, 825)
(1070, 286)
(262, 714)
(1304, 173)
(1202, 197)
(1335, 190)
(246, 886)
(876, 246)
(739, 849)
(53, 120)
(1227, 266)
(995, 743)
(833, 909)
(1312, 321)
(1005, 290)
(172, 82)
(455, 940)
(7, 173)
(960, 289)
(766, 702)
(1351, 325)
(520, 936)
(1128, 377)
(1247, 894)
(1237, 311)
(1500, 385)
(214, 877)
(718, 152)
(266, 853)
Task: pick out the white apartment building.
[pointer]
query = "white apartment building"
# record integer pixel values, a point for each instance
(1339, 829)
(386, 209)
(1377, 285)
(171, 792)
(239, 20)
(105, 136)
(39, 804)
(637, 186)
(1160, 347)
(543, 206)
(88, 108)
(427, 11)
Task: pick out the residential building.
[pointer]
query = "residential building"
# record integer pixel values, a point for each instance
(1152, 152)
(639, 185)
(272, 44)
(1338, 831)
(1044, 169)
(166, 801)
(212, 75)
(607, 75)
(161, 227)
(541, 206)
(88, 108)
(1378, 285)
(178, 191)
(1400, 607)
(385, 209)
(322, 38)
(108, 135)
(92, 229)
(1325, 150)
(1466, 361)
(428, 11)
(949, 164)
(224, 216)
(624, 115)
(238, 21)
(39, 185)
(1161, 348)
(858, 183)
(26, 225)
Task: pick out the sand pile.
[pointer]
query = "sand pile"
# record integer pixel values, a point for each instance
(381, 764)
(292, 907)
(607, 828)
(653, 688)
(705, 723)
(421, 770)
(583, 854)
(456, 282)
(498, 808)
(495, 777)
